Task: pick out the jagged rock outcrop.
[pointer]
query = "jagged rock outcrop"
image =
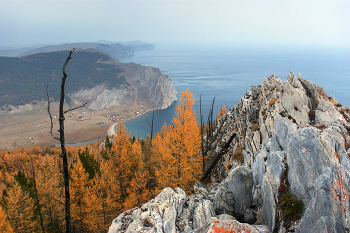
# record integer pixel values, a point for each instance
(292, 128)
(173, 211)
(291, 151)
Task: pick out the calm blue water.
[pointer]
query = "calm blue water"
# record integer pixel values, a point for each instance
(226, 73)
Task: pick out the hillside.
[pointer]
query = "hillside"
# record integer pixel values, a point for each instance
(287, 169)
(112, 90)
(24, 79)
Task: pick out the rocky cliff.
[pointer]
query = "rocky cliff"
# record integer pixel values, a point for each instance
(144, 85)
(151, 84)
(287, 170)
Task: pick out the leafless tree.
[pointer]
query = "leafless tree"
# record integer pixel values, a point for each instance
(63, 154)
(212, 138)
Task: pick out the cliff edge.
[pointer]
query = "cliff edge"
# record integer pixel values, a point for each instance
(287, 170)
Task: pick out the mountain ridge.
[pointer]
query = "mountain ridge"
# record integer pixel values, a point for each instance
(117, 50)
(287, 170)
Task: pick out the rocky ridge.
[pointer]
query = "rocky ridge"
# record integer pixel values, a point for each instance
(294, 174)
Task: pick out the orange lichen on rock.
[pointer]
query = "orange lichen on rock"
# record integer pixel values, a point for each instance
(273, 101)
(230, 226)
(321, 93)
(339, 192)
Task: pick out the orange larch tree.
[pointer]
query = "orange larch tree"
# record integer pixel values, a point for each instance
(182, 167)
(4, 224)
(121, 159)
(138, 191)
(20, 210)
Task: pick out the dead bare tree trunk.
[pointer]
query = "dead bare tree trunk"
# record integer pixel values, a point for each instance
(202, 134)
(63, 148)
(214, 139)
(63, 154)
(217, 158)
(152, 124)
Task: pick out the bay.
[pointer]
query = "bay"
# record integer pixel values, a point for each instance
(226, 73)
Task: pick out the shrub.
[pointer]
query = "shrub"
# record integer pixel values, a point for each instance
(147, 223)
(255, 127)
(311, 113)
(291, 207)
(320, 127)
(238, 155)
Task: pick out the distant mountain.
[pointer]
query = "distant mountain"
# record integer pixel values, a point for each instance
(138, 45)
(16, 51)
(115, 50)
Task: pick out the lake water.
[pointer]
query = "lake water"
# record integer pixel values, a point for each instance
(227, 73)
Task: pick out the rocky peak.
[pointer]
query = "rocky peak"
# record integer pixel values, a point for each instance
(292, 173)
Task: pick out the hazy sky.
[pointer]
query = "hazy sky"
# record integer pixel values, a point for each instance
(265, 22)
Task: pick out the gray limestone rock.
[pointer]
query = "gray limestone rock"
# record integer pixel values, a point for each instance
(158, 215)
(185, 220)
(268, 210)
(202, 213)
(235, 194)
(307, 159)
(200, 189)
(225, 217)
(326, 114)
(329, 208)
(218, 225)
(294, 101)
(308, 86)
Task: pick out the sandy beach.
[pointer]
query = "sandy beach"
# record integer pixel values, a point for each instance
(111, 130)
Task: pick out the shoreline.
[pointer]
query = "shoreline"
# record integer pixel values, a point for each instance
(111, 131)
(36, 128)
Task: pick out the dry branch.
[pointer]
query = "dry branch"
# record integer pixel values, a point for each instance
(48, 110)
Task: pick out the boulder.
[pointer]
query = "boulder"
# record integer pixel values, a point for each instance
(157, 215)
(294, 101)
(202, 213)
(235, 193)
(326, 114)
(200, 189)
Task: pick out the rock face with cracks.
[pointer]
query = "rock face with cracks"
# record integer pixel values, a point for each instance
(294, 142)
